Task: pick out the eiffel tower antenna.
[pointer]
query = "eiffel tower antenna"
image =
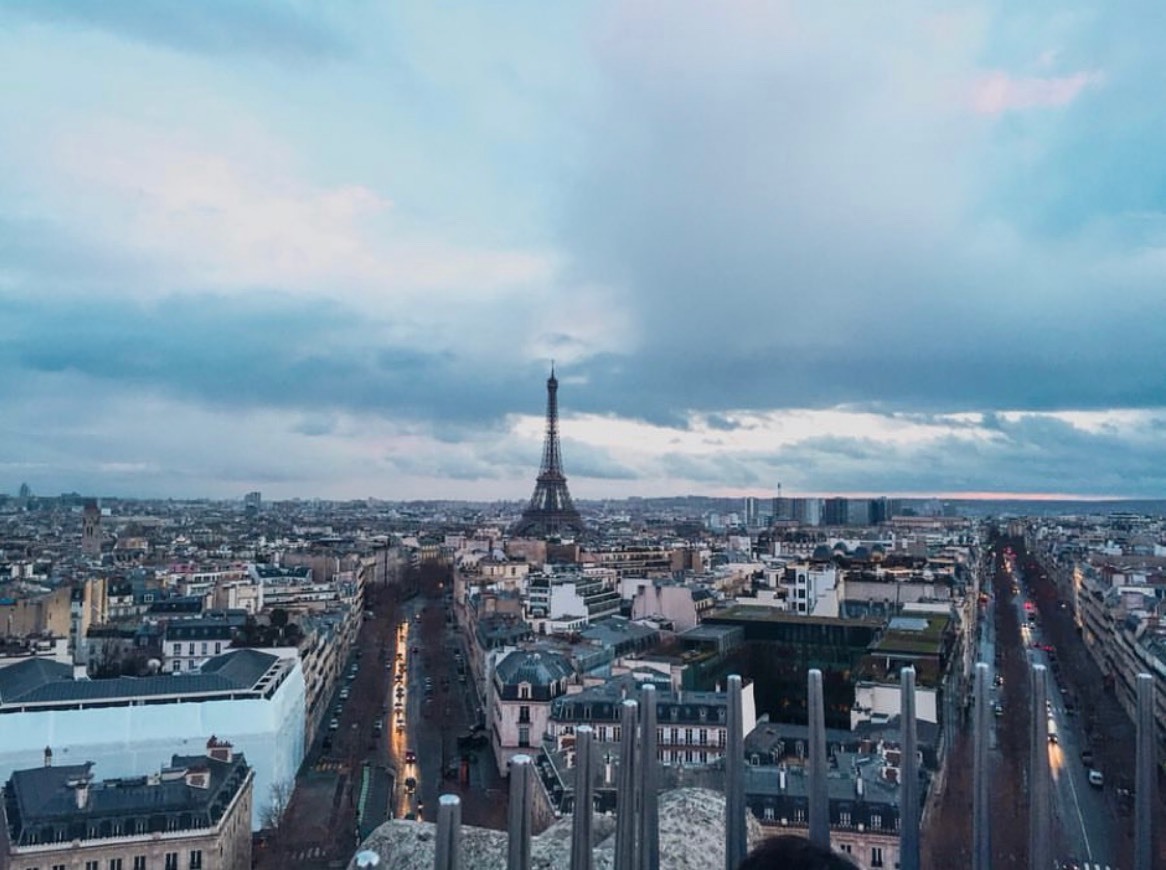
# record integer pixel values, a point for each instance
(550, 512)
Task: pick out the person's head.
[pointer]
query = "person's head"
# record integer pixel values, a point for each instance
(789, 852)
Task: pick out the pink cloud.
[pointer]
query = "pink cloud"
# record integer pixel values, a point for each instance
(997, 92)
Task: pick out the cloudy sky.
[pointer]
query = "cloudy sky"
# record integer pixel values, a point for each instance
(330, 249)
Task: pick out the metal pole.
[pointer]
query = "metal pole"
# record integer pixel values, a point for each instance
(909, 778)
(627, 807)
(819, 799)
(1145, 777)
(981, 841)
(519, 822)
(648, 768)
(1040, 827)
(735, 838)
(581, 857)
(448, 852)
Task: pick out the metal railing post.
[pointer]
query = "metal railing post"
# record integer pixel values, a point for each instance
(648, 770)
(448, 852)
(818, 795)
(629, 803)
(581, 823)
(909, 778)
(735, 837)
(519, 821)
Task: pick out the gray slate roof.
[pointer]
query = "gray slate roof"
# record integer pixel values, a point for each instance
(41, 682)
(536, 668)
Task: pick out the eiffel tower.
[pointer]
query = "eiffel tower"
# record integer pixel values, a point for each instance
(551, 511)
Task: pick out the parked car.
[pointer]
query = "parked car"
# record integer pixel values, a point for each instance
(334, 724)
(1096, 779)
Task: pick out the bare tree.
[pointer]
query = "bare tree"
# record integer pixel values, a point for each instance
(278, 798)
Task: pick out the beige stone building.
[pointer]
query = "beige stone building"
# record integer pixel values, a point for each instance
(193, 815)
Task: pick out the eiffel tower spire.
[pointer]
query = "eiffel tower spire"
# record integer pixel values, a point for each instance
(551, 511)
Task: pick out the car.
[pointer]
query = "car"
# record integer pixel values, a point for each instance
(378, 726)
(1096, 779)
(410, 756)
(1087, 756)
(416, 650)
(400, 724)
(999, 681)
(398, 707)
(334, 724)
(344, 693)
(998, 710)
(410, 785)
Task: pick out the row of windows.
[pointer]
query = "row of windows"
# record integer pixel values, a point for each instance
(205, 648)
(139, 862)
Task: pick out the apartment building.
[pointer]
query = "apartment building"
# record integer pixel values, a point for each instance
(192, 814)
(525, 683)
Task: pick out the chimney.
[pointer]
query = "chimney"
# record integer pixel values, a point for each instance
(858, 785)
(781, 779)
(219, 750)
(48, 756)
(81, 792)
(80, 672)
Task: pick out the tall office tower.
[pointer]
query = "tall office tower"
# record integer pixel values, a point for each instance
(91, 530)
(752, 512)
(783, 509)
(551, 511)
(836, 512)
(858, 512)
(253, 502)
(880, 510)
(807, 511)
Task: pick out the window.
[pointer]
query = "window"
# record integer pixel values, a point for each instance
(171, 861)
(524, 691)
(876, 856)
(844, 818)
(91, 865)
(218, 647)
(196, 859)
(768, 814)
(601, 734)
(204, 647)
(177, 649)
(615, 733)
(139, 862)
(524, 735)
(190, 651)
(876, 821)
(58, 867)
(115, 864)
(704, 737)
(524, 714)
(688, 737)
(845, 847)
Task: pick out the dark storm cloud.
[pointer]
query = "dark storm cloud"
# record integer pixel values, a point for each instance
(270, 28)
(811, 226)
(264, 350)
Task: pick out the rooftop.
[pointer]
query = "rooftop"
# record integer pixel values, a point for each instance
(39, 682)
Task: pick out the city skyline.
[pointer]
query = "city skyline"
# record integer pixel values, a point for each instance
(330, 252)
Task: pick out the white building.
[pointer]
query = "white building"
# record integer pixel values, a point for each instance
(252, 698)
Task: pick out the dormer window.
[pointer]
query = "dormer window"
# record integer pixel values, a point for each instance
(524, 691)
